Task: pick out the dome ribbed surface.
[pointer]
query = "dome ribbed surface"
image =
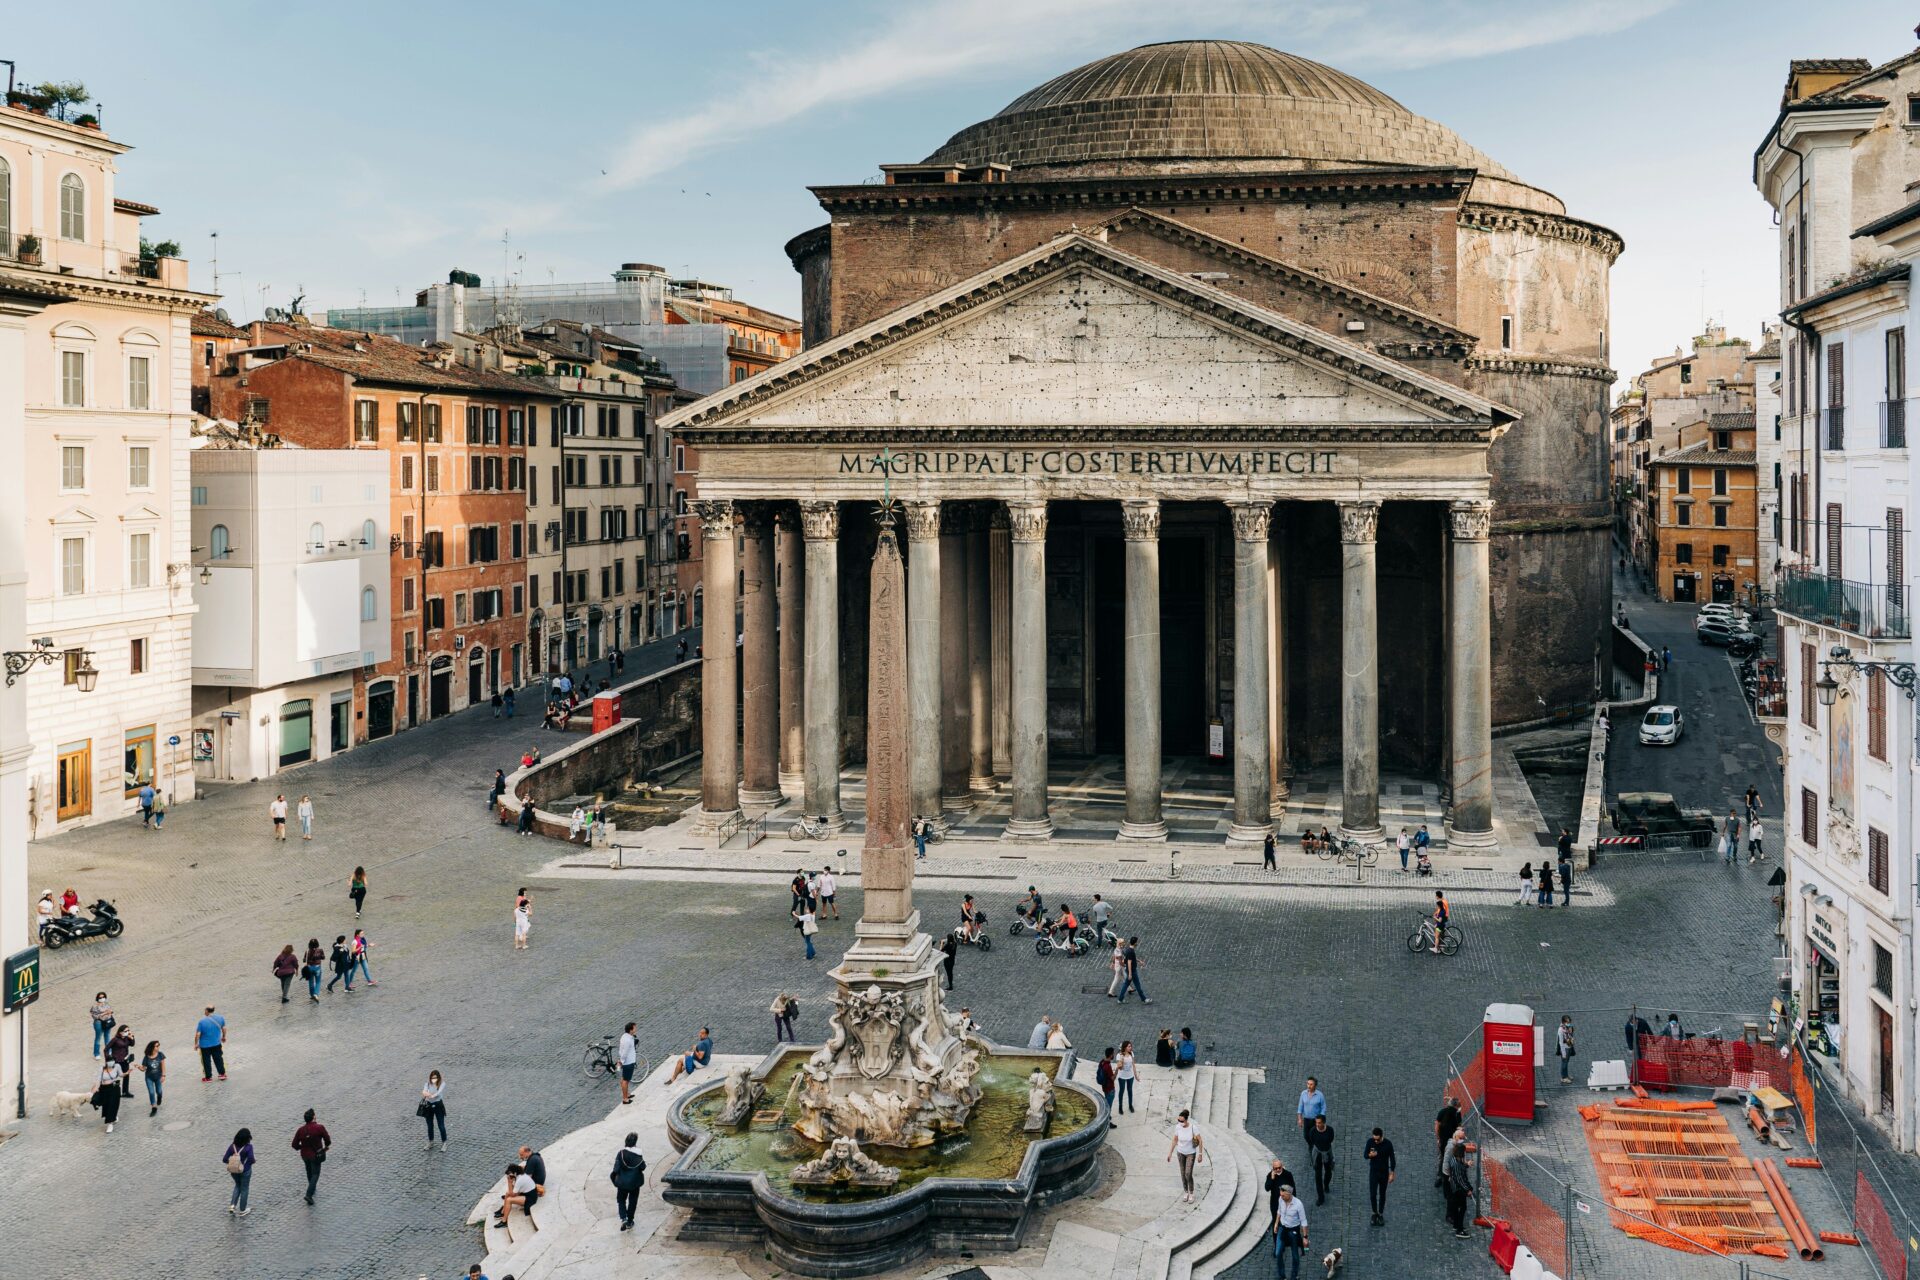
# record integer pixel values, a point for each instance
(1194, 105)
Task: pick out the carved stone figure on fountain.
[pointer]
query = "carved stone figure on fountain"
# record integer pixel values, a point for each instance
(743, 1095)
(844, 1164)
(1039, 1101)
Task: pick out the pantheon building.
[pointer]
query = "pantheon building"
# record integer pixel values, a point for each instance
(1229, 410)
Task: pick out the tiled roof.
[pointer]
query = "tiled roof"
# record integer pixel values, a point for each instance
(1731, 421)
(134, 206)
(1854, 284)
(1769, 350)
(1703, 454)
(1899, 217)
(390, 362)
(208, 325)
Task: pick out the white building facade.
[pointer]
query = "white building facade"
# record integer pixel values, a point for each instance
(1834, 167)
(293, 590)
(1769, 473)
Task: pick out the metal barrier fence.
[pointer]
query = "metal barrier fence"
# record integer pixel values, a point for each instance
(1862, 1166)
(1534, 1222)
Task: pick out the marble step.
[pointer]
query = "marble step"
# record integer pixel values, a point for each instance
(1219, 1182)
(1251, 1232)
(1248, 1190)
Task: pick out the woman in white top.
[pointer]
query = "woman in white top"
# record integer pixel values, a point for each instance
(305, 812)
(433, 1105)
(1119, 965)
(1123, 1077)
(1188, 1145)
(1057, 1038)
(522, 921)
(576, 823)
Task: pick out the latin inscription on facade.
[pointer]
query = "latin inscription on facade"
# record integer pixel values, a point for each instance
(1093, 462)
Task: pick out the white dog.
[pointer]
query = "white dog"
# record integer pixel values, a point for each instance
(1333, 1260)
(67, 1103)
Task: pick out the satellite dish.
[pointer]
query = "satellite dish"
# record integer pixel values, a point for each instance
(220, 314)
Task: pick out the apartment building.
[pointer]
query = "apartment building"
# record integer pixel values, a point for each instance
(103, 455)
(456, 444)
(1839, 165)
(1703, 503)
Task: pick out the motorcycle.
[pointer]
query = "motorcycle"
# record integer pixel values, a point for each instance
(984, 941)
(60, 930)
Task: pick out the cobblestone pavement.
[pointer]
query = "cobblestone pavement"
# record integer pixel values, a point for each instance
(1297, 977)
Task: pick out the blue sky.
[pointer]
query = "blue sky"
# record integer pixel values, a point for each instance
(360, 151)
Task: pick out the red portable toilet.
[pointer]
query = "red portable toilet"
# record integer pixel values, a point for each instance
(1508, 1049)
(606, 710)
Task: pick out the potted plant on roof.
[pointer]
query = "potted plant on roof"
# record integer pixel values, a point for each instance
(30, 250)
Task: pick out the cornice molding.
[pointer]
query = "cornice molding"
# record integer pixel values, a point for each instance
(1110, 191)
(1554, 226)
(1333, 433)
(1592, 370)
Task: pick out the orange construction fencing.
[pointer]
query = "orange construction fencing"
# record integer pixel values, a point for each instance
(1537, 1224)
(1469, 1087)
(1803, 1096)
(1871, 1220)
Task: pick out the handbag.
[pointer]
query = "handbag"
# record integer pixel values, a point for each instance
(424, 1109)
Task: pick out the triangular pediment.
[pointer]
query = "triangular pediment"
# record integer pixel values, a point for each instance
(1077, 334)
(141, 515)
(74, 515)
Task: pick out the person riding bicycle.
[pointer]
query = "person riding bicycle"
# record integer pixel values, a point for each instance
(1100, 912)
(1441, 914)
(1033, 907)
(970, 918)
(1063, 928)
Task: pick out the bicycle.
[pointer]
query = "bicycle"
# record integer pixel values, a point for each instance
(1422, 939)
(1352, 851)
(809, 829)
(602, 1060)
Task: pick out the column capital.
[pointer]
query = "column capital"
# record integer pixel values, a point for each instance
(1251, 520)
(756, 518)
(786, 517)
(1359, 521)
(716, 516)
(956, 517)
(922, 518)
(1470, 520)
(1141, 519)
(1028, 520)
(997, 520)
(821, 520)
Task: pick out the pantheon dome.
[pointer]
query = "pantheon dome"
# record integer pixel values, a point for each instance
(1213, 106)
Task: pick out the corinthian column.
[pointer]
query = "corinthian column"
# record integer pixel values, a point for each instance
(1252, 760)
(1028, 654)
(822, 799)
(1000, 607)
(1470, 656)
(760, 665)
(719, 701)
(979, 664)
(1142, 523)
(955, 708)
(1359, 673)
(923, 656)
(788, 559)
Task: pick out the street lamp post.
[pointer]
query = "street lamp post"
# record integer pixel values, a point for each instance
(1901, 675)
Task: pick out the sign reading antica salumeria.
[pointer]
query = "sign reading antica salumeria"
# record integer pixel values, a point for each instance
(1092, 462)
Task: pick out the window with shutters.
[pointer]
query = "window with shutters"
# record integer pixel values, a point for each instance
(406, 595)
(405, 417)
(473, 424)
(1836, 395)
(1810, 818)
(406, 474)
(1807, 693)
(1793, 511)
(1877, 860)
(1893, 411)
(433, 424)
(433, 475)
(1683, 553)
(366, 421)
(436, 613)
(1719, 517)
(1683, 480)
(1836, 525)
(1877, 715)
(1896, 557)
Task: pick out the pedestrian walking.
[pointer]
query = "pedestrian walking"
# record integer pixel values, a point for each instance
(1756, 847)
(357, 890)
(210, 1037)
(285, 966)
(1404, 843)
(153, 1068)
(1422, 841)
(1459, 1186)
(313, 1142)
(1752, 799)
(509, 699)
(522, 920)
(498, 703)
(314, 964)
(1730, 838)
(920, 826)
(341, 961)
(106, 1092)
(1104, 1077)
(1320, 1143)
(103, 1021)
(433, 1106)
(629, 1054)
(1666, 657)
(824, 886)
(1526, 884)
(680, 650)
(1123, 1078)
(1278, 1176)
(304, 811)
(1267, 853)
(120, 1053)
(1563, 1047)
(806, 923)
(277, 810)
(628, 1176)
(798, 892)
(1190, 1147)
(1118, 964)
(497, 788)
(1289, 1234)
(147, 794)
(358, 949)
(1380, 1174)
(1131, 958)
(159, 810)
(783, 1009)
(239, 1162)
(1545, 893)
(1566, 879)
(1445, 1125)
(1312, 1104)
(950, 949)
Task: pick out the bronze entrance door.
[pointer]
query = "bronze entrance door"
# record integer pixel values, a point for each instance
(76, 780)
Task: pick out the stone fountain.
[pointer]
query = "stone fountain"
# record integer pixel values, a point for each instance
(877, 1140)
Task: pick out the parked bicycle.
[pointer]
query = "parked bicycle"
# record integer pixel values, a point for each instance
(809, 829)
(1348, 852)
(1422, 939)
(603, 1059)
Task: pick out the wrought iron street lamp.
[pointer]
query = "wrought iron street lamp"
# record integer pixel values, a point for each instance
(1900, 674)
(20, 661)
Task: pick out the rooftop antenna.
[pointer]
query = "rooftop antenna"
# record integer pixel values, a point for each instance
(218, 276)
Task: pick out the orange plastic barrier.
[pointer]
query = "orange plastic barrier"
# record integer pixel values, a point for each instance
(1674, 1173)
(1840, 1237)
(1803, 1162)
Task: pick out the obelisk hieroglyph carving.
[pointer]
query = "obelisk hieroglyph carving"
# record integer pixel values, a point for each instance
(886, 863)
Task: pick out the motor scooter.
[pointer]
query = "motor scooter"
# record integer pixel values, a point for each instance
(58, 931)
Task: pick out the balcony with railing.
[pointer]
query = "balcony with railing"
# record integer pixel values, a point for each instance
(1836, 415)
(1874, 610)
(1893, 424)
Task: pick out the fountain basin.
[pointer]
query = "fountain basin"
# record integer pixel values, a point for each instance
(973, 1191)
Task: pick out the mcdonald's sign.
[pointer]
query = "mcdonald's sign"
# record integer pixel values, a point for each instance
(22, 979)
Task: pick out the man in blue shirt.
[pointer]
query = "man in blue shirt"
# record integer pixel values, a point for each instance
(146, 805)
(1313, 1103)
(210, 1037)
(1041, 1030)
(1289, 1234)
(694, 1059)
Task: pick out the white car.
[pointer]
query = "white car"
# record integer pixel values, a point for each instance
(1661, 727)
(1733, 617)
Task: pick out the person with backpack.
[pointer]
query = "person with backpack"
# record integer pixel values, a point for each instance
(629, 1174)
(1185, 1053)
(783, 1009)
(1563, 1047)
(1104, 1076)
(239, 1163)
(285, 966)
(341, 961)
(316, 960)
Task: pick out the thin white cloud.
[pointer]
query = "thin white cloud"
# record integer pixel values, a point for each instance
(928, 45)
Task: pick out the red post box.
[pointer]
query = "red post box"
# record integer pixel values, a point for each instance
(606, 710)
(1507, 1051)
